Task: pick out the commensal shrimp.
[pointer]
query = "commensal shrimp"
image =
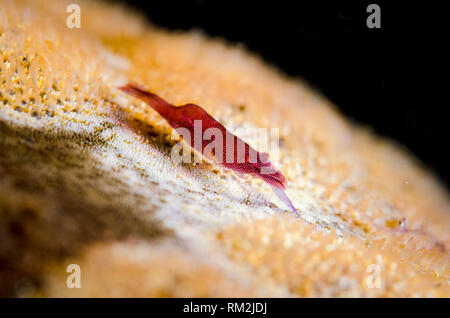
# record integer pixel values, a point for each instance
(240, 157)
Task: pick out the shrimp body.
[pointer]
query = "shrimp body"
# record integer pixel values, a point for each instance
(222, 146)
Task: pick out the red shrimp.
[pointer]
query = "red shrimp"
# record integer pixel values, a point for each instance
(234, 153)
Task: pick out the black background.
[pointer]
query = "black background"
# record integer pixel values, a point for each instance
(390, 79)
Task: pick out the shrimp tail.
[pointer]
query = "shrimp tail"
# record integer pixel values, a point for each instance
(156, 102)
(283, 197)
(134, 90)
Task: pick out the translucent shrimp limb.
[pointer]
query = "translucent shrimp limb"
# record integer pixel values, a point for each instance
(283, 197)
(240, 157)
